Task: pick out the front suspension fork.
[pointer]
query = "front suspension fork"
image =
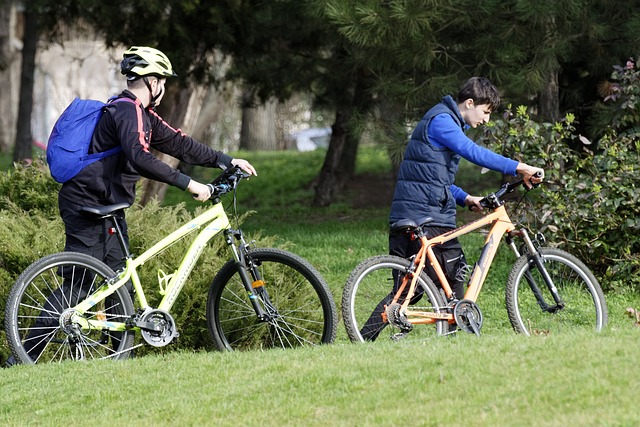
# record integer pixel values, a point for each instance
(535, 260)
(253, 285)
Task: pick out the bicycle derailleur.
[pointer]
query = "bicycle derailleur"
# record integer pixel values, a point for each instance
(396, 318)
(157, 327)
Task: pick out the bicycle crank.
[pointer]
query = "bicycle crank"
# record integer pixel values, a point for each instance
(157, 327)
(468, 316)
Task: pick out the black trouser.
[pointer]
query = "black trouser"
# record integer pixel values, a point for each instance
(88, 235)
(449, 255)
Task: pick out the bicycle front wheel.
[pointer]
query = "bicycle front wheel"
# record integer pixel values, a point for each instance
(369, 290)
(298, 305)
(583, 305)
(39, 315)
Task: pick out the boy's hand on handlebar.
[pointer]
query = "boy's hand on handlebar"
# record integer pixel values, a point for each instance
(245, 166)
(201, 192)
(473, 202)
(530, 174)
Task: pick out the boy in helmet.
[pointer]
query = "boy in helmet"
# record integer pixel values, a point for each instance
(135, 127)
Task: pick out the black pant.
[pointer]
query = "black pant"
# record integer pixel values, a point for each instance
(451, 259)
(89, 235)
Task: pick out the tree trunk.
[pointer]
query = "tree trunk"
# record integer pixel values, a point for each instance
(7, 97)
(258, 130)
(549, 100)
(331, 178)
(340, 161)
(173, 109)
(394, 133)
(23, 147)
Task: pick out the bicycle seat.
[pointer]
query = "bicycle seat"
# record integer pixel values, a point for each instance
(405, 225)
(104, 210)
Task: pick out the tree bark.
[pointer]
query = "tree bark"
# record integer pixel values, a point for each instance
(549, 100)
(258, 129)
(340, 161)
(7, 97)
(24, 139)
(331, 177)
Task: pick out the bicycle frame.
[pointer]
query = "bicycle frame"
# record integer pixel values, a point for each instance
(212, 222)
(501, 225)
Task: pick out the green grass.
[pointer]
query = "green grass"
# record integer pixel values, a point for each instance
(499, 379)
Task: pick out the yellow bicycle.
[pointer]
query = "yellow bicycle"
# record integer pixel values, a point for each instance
(71, 306)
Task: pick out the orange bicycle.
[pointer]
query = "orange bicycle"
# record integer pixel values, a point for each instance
(548, 289)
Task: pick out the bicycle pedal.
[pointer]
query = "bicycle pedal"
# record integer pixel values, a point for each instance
(398, 336)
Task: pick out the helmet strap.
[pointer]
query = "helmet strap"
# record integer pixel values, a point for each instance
(152, 98)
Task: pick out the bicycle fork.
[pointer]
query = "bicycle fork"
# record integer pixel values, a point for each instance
(535, 260)
(250, 275)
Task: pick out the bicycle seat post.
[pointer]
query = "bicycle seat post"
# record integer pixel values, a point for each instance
(118, 232)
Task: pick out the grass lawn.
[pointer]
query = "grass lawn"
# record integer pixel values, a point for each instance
(499, 379)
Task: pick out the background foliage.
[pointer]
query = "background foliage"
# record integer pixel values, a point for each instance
(591, 195)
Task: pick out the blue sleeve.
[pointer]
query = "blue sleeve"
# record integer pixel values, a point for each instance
(444, 132)
(458, 194)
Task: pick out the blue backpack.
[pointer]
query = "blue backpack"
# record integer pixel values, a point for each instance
(68, 146)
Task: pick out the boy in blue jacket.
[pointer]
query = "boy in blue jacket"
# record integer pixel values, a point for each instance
(425, 185)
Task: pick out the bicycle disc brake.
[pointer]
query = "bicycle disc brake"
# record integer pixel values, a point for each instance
(397, 319)
(468, 316)
(157, 327)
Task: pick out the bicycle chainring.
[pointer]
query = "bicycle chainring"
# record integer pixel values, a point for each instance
(157, 327)
(468, 316)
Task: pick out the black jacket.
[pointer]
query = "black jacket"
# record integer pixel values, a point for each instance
(113, 179)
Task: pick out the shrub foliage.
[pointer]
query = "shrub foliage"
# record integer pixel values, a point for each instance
(590, 199)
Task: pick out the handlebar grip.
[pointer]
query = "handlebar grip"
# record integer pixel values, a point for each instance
(483, 202)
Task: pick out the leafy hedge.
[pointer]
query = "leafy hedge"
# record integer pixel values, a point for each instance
(31, 228)
(590, 202)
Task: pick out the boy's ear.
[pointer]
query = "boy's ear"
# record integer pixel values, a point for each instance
(468, 103)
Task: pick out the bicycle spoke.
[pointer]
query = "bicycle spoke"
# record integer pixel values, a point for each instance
(40, 326)
(298, 309)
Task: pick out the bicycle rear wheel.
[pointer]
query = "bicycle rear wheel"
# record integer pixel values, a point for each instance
(38, 318)
(368, 290)
(298, 303)
(584, 304)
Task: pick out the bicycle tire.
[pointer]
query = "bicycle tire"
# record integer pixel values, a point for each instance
(368, 288)
(585, 306)
(301, 308)
(36, 305)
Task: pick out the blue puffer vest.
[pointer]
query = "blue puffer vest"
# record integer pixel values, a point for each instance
(426, 174)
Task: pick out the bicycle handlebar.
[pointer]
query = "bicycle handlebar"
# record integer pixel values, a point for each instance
(227, 181)
(496, 199)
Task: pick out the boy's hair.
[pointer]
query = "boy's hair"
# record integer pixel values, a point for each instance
(482, 91)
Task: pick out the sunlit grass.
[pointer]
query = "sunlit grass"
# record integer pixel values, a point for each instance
(499, 379)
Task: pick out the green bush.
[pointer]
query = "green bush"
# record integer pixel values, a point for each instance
(620, 109)
(590, 200)
(32, 229)
(29, 186)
